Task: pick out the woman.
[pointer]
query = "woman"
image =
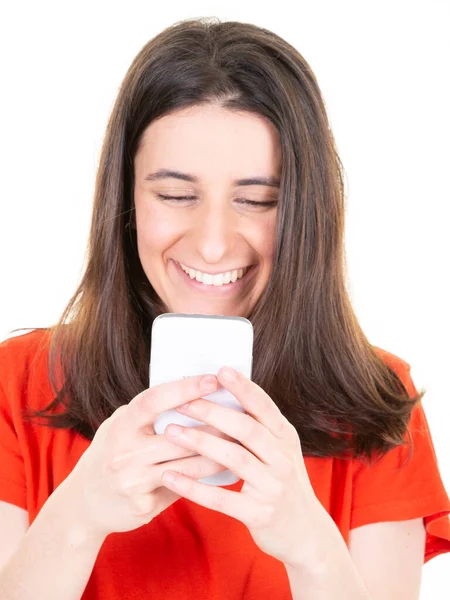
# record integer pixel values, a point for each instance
(218, 159)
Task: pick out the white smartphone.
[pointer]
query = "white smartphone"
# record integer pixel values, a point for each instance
(184, 345)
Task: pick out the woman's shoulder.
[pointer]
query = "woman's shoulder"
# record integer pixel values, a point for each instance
(18, 351)
(399, 366)
(23, 343)
(392, 360)
(23, 363)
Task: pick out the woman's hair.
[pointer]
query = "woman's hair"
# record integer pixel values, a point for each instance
(310, 354)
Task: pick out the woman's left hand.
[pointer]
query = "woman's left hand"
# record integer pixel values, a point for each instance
(277, 502)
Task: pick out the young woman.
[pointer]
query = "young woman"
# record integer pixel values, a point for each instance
(219, 191)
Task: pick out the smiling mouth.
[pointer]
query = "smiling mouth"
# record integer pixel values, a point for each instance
(218, 280)
(227, 280)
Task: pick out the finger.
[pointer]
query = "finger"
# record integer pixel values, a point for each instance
(146, 455)
(155, 499)
(167, 451)
(256, 402)
(156, 449)
(235, 504)
(235, 457)
(238, 426)
(195, 467)
(150, 403)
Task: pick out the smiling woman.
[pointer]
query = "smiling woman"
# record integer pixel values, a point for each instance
(207, 215)
(219, 191)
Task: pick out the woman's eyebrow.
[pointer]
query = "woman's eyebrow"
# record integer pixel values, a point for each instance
(167, 173)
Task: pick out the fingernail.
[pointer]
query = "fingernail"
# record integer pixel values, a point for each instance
(229, 374)
(208, 384)
(175, 430)
(169, 477)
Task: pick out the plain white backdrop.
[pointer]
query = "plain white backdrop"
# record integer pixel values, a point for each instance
(383, 70)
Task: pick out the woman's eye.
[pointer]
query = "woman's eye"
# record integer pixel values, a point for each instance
(175, 198)
(265, 204)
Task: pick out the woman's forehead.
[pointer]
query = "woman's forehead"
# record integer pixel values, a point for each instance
(204, 140)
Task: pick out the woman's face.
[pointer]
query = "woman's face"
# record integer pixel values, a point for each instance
(224, 167)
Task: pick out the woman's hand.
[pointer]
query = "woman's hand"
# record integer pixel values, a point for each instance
(116, 485)
(277, 502)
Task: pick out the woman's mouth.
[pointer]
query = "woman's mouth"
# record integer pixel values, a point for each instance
(223, 283)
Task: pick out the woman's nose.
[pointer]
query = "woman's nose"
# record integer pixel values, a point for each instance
(215, 234)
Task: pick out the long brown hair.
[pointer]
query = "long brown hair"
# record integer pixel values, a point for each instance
(310, 354)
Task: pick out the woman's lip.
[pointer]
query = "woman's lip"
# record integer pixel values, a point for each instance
(228, 288)
(218, 272)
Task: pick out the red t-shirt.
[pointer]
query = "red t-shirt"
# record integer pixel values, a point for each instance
(189, 551)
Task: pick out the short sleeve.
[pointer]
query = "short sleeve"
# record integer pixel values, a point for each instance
(405, 483)
(12, 471)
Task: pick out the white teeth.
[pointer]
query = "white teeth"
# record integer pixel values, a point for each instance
(217, 280)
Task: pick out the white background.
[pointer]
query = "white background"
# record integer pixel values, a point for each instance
(383, 70)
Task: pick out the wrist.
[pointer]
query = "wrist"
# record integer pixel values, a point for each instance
(331, 573)
(324, 539)
(325, 568)
(65, 512)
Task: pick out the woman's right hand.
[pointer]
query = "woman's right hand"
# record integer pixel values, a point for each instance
(116, 485)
